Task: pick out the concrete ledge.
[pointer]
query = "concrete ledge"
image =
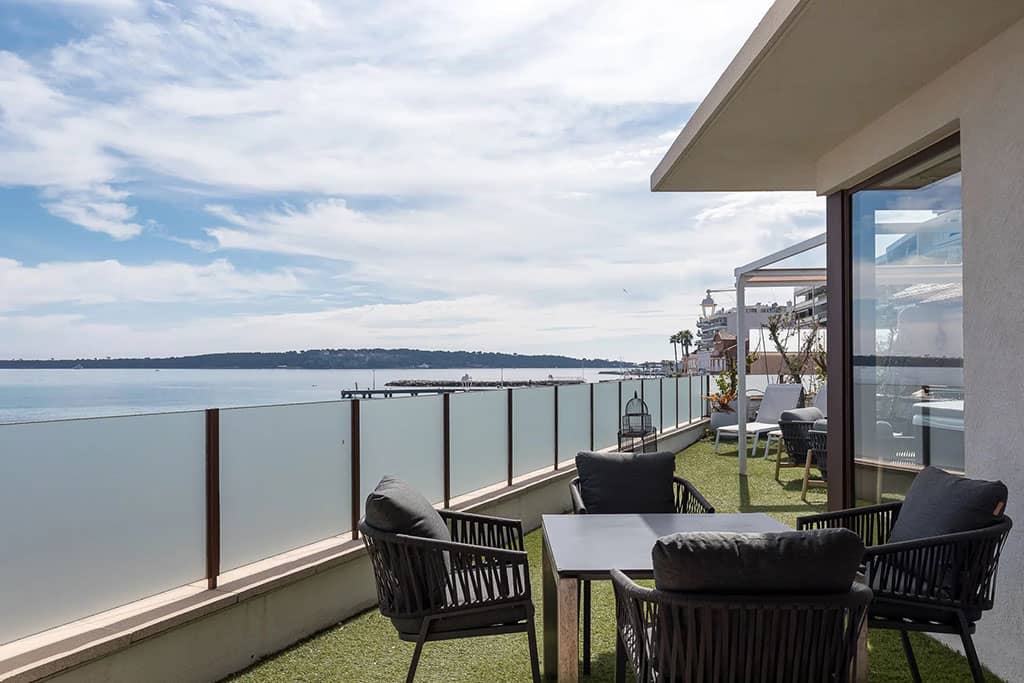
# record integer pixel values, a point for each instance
(195, 634)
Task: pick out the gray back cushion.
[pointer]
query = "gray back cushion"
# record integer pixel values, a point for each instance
(820, 426)
(939, 503)
(818, 561)
(801, 415)
(398, 508)
(637, 483)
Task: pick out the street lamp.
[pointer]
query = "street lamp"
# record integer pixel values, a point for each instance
(707, 306)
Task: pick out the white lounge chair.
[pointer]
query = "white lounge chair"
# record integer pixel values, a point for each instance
(777, 398)
(820, 402)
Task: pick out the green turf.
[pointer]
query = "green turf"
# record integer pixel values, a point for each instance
(366, 648)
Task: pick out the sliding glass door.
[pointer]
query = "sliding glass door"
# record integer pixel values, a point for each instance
(907, 324)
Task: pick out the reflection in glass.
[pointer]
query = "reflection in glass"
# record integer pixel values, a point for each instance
(908, 401)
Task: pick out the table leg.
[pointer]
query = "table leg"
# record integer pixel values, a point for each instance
(860, 674)
(561, 623)
(568, 631)
(550, 600)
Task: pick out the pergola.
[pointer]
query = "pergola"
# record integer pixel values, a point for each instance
(759, 273)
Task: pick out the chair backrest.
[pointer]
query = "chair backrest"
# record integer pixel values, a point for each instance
(777, 398)
(821, 400)
(716, 607)
(626, 482)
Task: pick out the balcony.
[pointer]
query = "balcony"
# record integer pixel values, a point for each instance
(365, 648)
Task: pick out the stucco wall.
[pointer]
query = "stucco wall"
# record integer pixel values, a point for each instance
(984, 96)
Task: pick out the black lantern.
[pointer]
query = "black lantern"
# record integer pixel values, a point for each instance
(636, 421)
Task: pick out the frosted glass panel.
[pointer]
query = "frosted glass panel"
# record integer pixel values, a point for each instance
(98, 513)
(285, 478)
(668, 402)
(403, 437)
(533, 429)
(573, 420)
(479, 440)
(652, 397)
(697, 397)
(606, 414)
(683, 396)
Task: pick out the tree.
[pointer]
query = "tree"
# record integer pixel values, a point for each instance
(673, 340)
(782, 328)
(685, 340)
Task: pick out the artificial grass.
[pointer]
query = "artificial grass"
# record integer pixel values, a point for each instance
(366, 648)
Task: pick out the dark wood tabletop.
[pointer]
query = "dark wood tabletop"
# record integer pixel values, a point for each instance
(590, 546)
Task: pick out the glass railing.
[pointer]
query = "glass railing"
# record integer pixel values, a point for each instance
(98, 513)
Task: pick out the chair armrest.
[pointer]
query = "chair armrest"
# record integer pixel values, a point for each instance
(689, 499)
(954, 570)
(443, 576)
(872, 523)
(578, 506)
(484, 530)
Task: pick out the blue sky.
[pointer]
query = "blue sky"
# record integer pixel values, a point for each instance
(187, 177)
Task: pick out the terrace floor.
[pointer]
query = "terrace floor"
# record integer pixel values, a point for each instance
(366, 648)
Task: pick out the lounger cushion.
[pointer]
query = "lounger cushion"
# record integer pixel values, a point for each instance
(800, 415)
(637, 483)
(820, 425)
(817, 561)
(940, 503)
(396, 507)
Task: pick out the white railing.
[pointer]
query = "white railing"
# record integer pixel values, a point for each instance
(97, 513)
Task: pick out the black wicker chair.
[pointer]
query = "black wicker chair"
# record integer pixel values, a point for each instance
(687, 500)
(755, 637)
(476, 585)
(796, 426)
(941, 584)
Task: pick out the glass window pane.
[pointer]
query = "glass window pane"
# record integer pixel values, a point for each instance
(479, 440)
(533, 430)
(908, 401)
(573, 421)
(302, 453)
(668, 402)
(97, 513)
(403, 437)
(652, 397)
(606, 414)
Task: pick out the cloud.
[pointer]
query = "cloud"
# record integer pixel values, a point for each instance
(97, 209)
(107, 282)
(482, 164)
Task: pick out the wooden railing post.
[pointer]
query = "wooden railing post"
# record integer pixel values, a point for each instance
(212, 497)
(447, 428)
(355, 469)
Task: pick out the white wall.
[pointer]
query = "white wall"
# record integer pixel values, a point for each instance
(983, 96)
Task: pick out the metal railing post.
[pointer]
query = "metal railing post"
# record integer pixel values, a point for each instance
(556, 427)
(510, 437)
(446, 426)
(355, 468)
(212, 497)
(591, 416)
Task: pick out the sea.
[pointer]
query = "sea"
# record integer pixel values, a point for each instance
(32, 395)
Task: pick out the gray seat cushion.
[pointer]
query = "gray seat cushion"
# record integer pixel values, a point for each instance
(801, 415)
(820, 425)
(940, 503)
(817, 561)
(639, 483)
(398, 508)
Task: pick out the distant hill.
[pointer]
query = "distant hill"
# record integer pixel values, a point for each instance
(329, 359)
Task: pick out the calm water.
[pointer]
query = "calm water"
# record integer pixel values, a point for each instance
(52, 394)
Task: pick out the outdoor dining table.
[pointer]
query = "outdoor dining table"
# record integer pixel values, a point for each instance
(578, 547)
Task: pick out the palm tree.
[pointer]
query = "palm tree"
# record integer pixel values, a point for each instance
(685, 339)
(673, 340)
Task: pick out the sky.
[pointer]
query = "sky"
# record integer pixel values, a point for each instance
(189, 177)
